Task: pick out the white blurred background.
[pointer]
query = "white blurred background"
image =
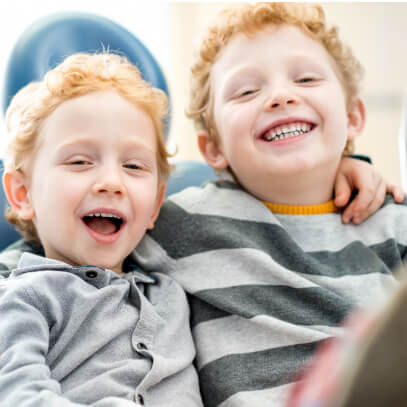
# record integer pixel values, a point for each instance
(377, 33)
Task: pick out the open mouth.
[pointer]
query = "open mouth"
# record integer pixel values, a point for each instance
(288, 130)
(103, 223)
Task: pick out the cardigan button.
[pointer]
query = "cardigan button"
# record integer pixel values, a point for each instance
(140, 346)
(91, 274)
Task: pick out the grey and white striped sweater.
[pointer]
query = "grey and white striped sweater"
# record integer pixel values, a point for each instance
(266, 289)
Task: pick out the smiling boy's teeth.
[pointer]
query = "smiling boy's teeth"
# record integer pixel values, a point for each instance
(287, 131)
(105, 215)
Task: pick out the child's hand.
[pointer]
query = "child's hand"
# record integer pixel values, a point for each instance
(357, 174)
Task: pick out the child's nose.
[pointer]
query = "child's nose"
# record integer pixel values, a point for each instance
(109, 184)
(280, 99)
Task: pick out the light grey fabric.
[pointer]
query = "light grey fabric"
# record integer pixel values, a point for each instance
(76, 336)
(266, 289)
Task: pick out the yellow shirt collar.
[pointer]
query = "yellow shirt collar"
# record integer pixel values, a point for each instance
(284, 209)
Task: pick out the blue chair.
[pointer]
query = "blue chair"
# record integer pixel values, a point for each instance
(8, 234)
(48, 41)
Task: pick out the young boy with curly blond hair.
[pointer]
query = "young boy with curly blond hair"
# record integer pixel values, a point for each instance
(261, 297)
(85, 176)
(270, 268)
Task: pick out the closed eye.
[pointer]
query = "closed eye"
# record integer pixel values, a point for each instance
(133, 166)
(307, 79)
(79, 162)
(247, 92)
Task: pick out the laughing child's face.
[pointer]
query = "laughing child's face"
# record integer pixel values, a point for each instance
(93, 188)
(280, 112)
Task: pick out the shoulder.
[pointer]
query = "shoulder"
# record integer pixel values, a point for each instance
(392, 210)
(214, 199)
(35, 300)
(45, 278)
(388, 222)
(219, 215)
(40, 280)
(11, 255)
(194, 209)
(29, 289)
(50, 290)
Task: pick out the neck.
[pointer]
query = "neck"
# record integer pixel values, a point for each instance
(310, 188)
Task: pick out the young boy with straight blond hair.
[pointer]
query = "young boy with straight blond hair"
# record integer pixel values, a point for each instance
(85, 176)
(270, 268)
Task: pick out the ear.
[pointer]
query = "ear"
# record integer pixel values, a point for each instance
(15, 187)
(356, 119)
(211, 151)
(159, 201)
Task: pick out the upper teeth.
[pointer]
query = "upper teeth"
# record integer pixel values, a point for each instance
(105, 215)
(287, 130)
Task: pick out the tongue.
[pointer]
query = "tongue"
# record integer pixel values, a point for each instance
(101, 225)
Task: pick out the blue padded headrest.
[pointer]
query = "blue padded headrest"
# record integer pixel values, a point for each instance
(8, 234)
(49, 40)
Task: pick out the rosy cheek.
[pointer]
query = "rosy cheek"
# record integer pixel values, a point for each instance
(239, 119)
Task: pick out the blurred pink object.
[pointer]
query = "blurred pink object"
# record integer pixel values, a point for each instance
(321, 382)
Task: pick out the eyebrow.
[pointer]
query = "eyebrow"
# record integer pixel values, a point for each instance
(300, 58)
(129, 142)
(234, 77)
(306, 59)
(249, 68)
(239, 71)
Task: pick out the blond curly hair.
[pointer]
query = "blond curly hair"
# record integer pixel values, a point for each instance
(77, 75)
(250, 18)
